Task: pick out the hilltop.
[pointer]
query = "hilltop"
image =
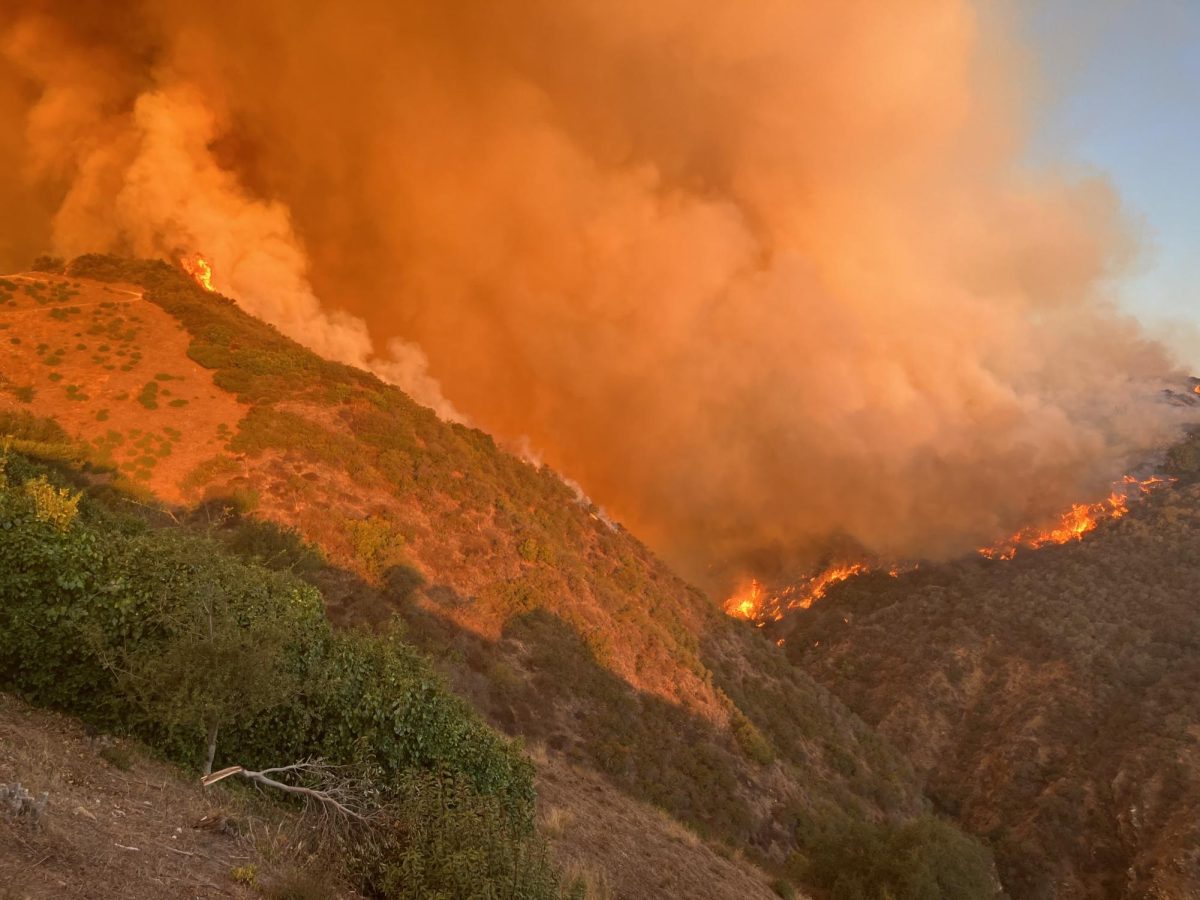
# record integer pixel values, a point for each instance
(558, 625)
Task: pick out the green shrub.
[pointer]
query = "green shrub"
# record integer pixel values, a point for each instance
(751, 740)
(273, 546)
(923, 859)
(54, 265)
(148, 395)
(448, 842)
(25, 425)
(78, 592)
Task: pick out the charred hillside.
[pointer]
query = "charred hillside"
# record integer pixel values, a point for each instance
(559, 625)
(1051, 703)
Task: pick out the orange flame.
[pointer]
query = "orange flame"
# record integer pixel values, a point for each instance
(1196, 389)
(197, 266)
(745, 603)
(1075, 523)
(755, 603)
(819, 585)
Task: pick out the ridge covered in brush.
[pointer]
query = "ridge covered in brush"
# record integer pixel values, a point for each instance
(1051, 703)
(559, 626)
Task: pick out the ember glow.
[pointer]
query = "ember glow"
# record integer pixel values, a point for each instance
(200, 270)
(746, 603)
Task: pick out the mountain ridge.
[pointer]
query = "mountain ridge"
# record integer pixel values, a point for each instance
(557, 626)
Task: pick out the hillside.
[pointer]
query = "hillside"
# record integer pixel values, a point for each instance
(1050, 703)
(558, 625)
(122, 824)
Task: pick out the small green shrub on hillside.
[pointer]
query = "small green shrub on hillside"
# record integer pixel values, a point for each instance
(445, 845)
(26, 426)
(273, 546)
(376, 544)
(148, 395)
(923, 859)
(54, 265)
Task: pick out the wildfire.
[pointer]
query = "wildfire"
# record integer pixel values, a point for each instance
(754, 603)
(757, 604)
(197, 266)
(1076, 522)
(745, 603)
(818, 586)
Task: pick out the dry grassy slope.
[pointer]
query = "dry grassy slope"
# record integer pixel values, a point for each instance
(557, 626)
(1051, 703)
(632, 849)
(87, 351)
(112, 833)
(129, 833)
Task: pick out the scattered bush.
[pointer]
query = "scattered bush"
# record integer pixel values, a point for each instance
(924, 859)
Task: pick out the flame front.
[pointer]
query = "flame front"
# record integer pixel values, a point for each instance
(200, 270)
(1075, 523)
(757, 604)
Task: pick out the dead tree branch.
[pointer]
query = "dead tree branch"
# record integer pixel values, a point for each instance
(335, 793)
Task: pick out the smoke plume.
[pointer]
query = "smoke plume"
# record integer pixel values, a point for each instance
(757, 276)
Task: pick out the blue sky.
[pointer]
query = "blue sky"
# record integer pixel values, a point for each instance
(1120, 93)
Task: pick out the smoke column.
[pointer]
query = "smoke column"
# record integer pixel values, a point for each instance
(758, 276)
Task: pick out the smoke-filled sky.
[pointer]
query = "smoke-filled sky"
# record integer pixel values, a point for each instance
(757, 276)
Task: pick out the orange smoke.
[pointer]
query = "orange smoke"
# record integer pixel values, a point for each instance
(757, 604)
(794, 278)
(198, 268)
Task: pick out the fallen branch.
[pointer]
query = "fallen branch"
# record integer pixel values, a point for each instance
(335, 795)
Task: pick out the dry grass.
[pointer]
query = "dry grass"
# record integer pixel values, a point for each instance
(624, 849)
(130, 834)
(113, 323)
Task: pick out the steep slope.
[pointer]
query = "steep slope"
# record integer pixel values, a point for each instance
(134, 827)
(559, 625)
(1052, 702)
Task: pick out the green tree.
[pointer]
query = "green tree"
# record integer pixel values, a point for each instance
(221, 659)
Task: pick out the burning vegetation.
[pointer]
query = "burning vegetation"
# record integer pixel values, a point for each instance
(756, 603)
(199, 269)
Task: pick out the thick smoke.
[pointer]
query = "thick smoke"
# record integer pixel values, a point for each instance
(758, 276)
